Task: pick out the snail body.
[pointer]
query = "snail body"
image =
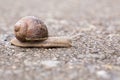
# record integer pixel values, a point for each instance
(32, 32)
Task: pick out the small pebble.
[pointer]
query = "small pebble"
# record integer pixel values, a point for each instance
(103, 74)
(50, 63)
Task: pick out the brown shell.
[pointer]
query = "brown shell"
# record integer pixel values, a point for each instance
(30, 28)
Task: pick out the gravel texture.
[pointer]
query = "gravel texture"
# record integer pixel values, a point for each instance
(93, 25)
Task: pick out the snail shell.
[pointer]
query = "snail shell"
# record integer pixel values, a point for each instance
(30, 28)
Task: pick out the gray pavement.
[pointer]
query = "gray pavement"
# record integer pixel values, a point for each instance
(95, 54)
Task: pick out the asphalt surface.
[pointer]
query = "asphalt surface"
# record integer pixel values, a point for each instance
(93, 25)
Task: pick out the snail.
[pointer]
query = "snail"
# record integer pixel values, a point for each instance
(30, 31)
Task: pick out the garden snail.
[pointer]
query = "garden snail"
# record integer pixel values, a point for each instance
(32, 32)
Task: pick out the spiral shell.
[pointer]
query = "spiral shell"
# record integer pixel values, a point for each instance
(30, 28)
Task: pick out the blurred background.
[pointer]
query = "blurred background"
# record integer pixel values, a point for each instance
(89, 11)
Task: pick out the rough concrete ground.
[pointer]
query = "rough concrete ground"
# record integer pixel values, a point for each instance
(95, 54)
